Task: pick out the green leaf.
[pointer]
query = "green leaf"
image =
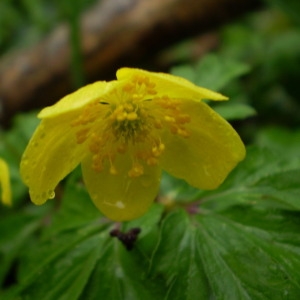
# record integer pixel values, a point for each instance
(84, 263)
(234, 111)
(15, 231)
(212, 71)
(280, 140)
(242, 253)
(59, 266)
(121, 274)
(264, 178)
(76, 207)
(77, 259)
(172, 188)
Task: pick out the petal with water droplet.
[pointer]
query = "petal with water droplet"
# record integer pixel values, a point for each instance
(119, 196)
(47, 160)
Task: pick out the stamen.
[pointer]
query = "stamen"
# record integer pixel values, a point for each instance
(81, 135)
(136, 170)
(97, 163)
(129, 122)
(132, 116)
(113, 170)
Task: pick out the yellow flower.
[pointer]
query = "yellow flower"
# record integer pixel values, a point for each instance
(123, 133)
(5, 183)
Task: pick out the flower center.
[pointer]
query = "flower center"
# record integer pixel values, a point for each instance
(131, 121)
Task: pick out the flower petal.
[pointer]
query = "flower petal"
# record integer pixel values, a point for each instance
(172, 86)
(51, 154)
(119, 196)
(78, 99)
(5, 183)
(212, 150)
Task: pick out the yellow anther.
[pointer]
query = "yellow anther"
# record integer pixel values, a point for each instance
(182, 132)
(169, 119)
(81, 135)
(183, 118)
(157, 150)
(129, 107)
(130, 126)
(97, 163)
(139, 79)
(132, 116)
(129, 87)
(161, 147)
(113, 170)
(136, 170)
(95, 143)
(122, 116)
(151, 91)
(136, 97)
(152, 161)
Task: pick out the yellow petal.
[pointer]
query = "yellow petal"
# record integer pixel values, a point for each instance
(51, 154)
(5, 183)
(119, 196)
(212, 150)
(78, 99)
(172, 86)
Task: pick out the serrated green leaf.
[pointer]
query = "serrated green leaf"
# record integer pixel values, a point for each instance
(84, 263)
(280, 140)
(77, 246)
(212, 71)
(48, 272)
(261, 179)
(122, 274)
(177, 259)
(177, 189)
(228, 256)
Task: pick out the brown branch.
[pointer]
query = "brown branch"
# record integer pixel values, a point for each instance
(114, 34)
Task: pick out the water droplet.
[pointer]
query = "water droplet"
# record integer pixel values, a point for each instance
(51, 194)
(120, 204)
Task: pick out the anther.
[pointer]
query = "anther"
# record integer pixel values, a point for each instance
(169, 119)
(122, 116)
(113, 170)
(81, 135)
(132, 116)
(136, 170)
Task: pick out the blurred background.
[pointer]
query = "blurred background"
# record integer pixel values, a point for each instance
(51, 48)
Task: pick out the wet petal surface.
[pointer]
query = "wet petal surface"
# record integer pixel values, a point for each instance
(121, 197)
(208, 154)
(51, 154)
